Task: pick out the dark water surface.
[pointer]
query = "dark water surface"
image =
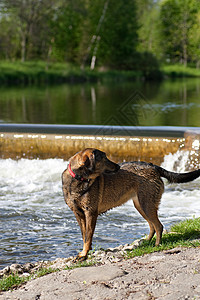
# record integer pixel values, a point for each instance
(166, 103)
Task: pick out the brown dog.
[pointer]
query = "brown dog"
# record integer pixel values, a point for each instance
(92, 184)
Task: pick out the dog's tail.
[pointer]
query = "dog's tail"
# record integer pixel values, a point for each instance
(173, 177)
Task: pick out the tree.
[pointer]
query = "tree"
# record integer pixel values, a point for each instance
(148, 16)
(118, 35)
(68, 30)
(177, 17)
(30, 17)
(194, 41)
(9, 38)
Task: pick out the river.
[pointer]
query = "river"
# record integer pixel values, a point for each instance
(36, 224)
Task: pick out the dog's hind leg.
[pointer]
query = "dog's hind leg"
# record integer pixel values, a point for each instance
(139, 209)
(152, 218)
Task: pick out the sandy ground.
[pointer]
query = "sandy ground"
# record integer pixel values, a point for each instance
(168, 275)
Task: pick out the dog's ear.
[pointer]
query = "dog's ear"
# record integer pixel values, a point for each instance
(89, 161)
(97, 155)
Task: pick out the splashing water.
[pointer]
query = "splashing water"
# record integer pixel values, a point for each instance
(36, 224)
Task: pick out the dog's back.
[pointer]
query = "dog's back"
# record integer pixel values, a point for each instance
(134, 180)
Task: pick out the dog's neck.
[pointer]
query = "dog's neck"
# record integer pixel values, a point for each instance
(76, 176)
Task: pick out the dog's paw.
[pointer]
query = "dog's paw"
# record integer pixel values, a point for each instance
(79, 258)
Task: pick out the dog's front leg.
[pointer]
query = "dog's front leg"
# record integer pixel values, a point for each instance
(80, 217)
(91, 218)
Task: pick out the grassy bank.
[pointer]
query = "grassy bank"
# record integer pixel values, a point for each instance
(30, 73)
(183, 234)
(179, 71)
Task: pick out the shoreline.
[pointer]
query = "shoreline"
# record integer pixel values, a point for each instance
(94, 258)
(169, 274)
(44, 73)
(131, 269)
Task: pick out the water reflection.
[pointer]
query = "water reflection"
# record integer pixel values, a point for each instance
(175, 103)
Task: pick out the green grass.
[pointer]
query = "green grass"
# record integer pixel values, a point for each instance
(29, 73)
(183, 234)
(12, 281)
(180, 71)
(39, 72)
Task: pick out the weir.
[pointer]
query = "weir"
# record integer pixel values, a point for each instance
(120, 143)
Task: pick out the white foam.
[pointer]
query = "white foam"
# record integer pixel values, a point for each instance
(176, 162)
(31, 182)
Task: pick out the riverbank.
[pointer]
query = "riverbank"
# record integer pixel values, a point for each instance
(40, 72)
(129, 265)
(172, 274)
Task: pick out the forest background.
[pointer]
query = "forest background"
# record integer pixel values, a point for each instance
(125, 35)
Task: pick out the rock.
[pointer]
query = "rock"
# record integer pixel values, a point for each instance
(6, 270)
(138, 242)
(90, 274)
(28, 267)
(16, 268)
(25, 274)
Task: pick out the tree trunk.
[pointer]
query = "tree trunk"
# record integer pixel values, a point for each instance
(94, 38)
(185, 55)
(23, 48)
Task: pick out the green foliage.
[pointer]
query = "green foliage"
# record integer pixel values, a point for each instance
(68, 30)
(44, 271)
(148, 16)
(119, 35)
(108, 34)
(30, 20)
(72, 31)
(177, 70)
(177, 18)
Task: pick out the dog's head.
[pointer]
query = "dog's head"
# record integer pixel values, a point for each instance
(90, 163)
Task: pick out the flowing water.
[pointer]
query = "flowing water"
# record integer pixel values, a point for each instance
(36, 224)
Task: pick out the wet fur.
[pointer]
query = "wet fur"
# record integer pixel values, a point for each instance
(100, 191)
